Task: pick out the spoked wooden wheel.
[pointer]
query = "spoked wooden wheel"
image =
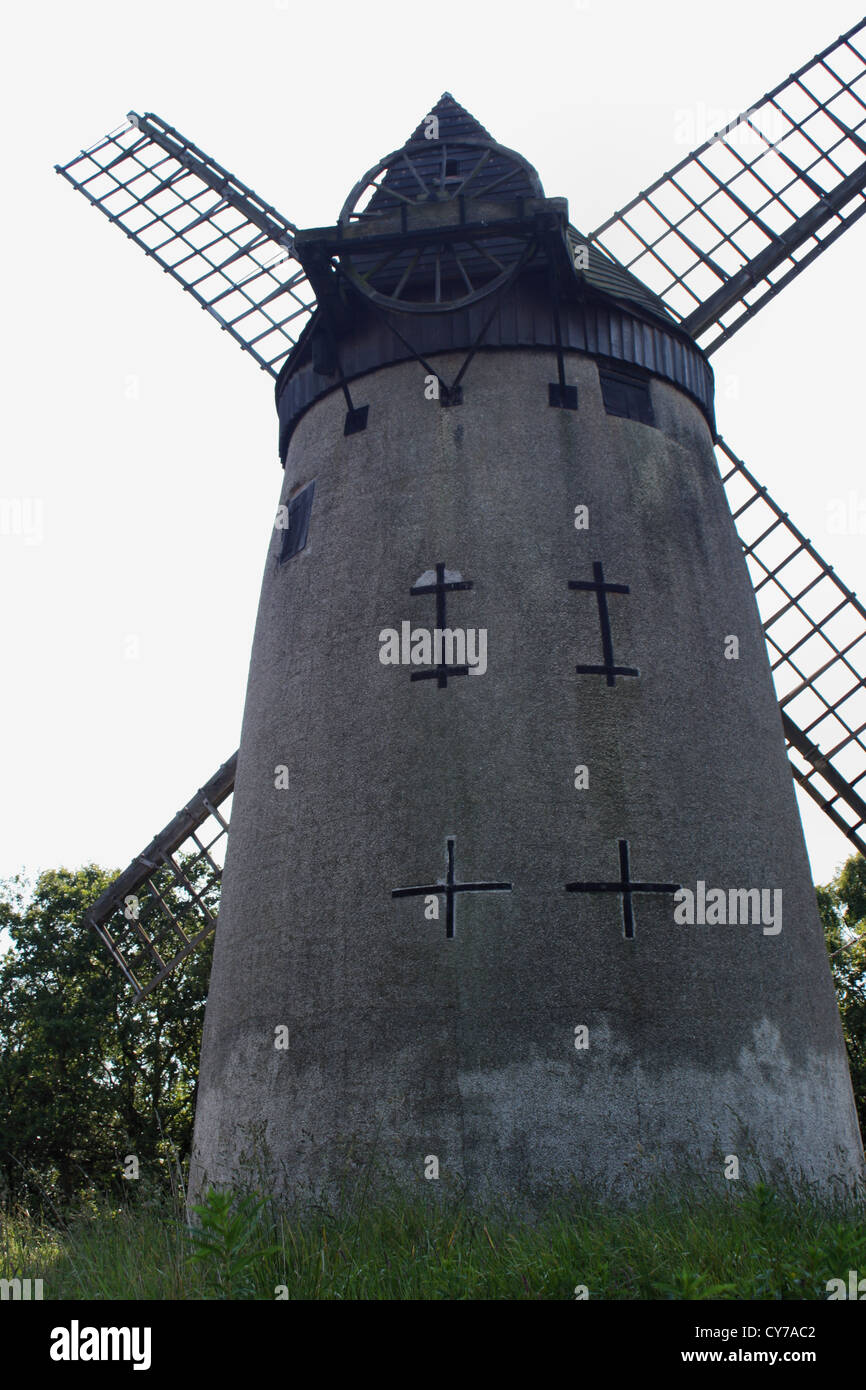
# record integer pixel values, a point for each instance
(440, 185)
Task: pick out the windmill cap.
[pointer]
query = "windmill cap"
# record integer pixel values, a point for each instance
(601, 273)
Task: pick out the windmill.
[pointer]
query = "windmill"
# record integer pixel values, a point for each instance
(516, 886)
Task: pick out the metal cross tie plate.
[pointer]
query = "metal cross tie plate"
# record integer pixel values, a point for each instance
(440, 586)
(626, 887)
(601, 590)
(449, 890)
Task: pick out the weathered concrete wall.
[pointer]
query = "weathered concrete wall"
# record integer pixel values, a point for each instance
(704, 1041)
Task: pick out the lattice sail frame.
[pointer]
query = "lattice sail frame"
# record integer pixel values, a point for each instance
(223, 244)
(815, 630)
(178, 875)
(720, 234)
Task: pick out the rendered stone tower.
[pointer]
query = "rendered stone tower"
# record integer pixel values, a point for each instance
(450, 925)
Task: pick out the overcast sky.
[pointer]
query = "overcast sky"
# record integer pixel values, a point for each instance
(149, 440)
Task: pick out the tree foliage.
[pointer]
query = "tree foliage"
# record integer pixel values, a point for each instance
(86, 1077)
(842, 904)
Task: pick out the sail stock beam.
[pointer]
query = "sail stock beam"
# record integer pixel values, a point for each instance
(720, 234)
(226, 247)
(165, 903)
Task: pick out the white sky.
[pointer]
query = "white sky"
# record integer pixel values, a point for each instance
(158, 506)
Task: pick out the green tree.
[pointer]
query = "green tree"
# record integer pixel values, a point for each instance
(842, 904)
(86, 1076)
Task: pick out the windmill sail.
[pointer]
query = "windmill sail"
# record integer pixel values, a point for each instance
(230, 250)
(815, 630)
(720, 234)
(145, 915)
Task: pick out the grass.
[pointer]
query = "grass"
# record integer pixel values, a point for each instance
(756, 1243)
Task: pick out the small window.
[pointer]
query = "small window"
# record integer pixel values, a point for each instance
(452, 173)
(298, 523)
(627, 396)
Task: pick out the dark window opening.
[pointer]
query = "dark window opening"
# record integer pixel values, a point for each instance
(626, 396)
(297, 524)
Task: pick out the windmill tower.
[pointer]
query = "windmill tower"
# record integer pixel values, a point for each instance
(516, 887)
